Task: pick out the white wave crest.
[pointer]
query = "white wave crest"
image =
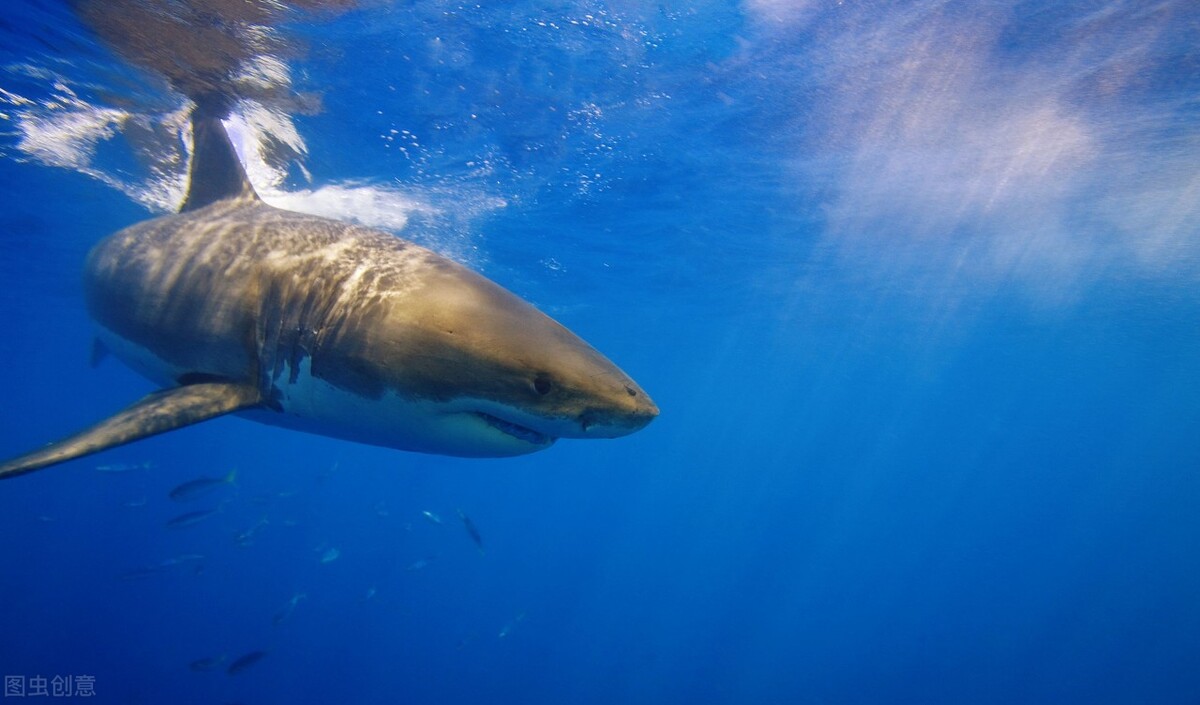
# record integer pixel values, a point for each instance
(67, 138)
(374, 206)
(66, 132)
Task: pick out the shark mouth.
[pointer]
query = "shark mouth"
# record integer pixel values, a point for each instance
(516, 430)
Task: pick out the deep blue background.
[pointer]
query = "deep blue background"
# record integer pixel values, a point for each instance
(915, 288)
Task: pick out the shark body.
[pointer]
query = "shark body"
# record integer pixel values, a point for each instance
(234, 306)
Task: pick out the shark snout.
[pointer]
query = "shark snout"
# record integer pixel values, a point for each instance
(641, 408)
(643, 413)
(634, 413)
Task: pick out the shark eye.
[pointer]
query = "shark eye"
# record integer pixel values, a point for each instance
(542, 385)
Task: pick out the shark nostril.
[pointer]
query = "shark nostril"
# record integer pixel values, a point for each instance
(630, 391)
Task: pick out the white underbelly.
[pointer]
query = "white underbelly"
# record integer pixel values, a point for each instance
(391, 420)
(316, 406)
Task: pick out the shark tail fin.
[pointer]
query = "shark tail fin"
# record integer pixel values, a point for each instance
(157, 413)
(216, 173)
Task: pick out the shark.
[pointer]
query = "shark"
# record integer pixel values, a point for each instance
(232, 306)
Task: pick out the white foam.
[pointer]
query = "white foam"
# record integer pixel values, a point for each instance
(65, 131)
(67, 138)
(264, 71)
(253, 129)
(372, 206)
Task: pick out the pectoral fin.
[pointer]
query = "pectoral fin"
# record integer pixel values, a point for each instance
(99, 352)
(157, 413)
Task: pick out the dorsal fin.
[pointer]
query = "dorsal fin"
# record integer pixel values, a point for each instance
(216, 174)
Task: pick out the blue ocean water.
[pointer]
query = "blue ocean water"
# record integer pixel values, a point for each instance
(914, 285)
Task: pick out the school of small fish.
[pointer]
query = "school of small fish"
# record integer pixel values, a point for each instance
(222, 490)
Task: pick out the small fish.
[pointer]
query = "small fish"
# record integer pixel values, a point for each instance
(423, 563)
(433, 518)
(244, 662)
(330, 555)
(474, 532)
(207, 664)
(190, 518)
(201, 486)
(181, 559)
(268, 499)
(369, 594)
(509, 627)
(284, 614)
(124, 467)
(246, 537)
(326, 474)
(138, 502)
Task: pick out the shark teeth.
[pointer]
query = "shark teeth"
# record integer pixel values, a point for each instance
(516, 430)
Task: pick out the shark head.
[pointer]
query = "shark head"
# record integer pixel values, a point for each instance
(532, 381)
(479, 371)
(507, 379)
